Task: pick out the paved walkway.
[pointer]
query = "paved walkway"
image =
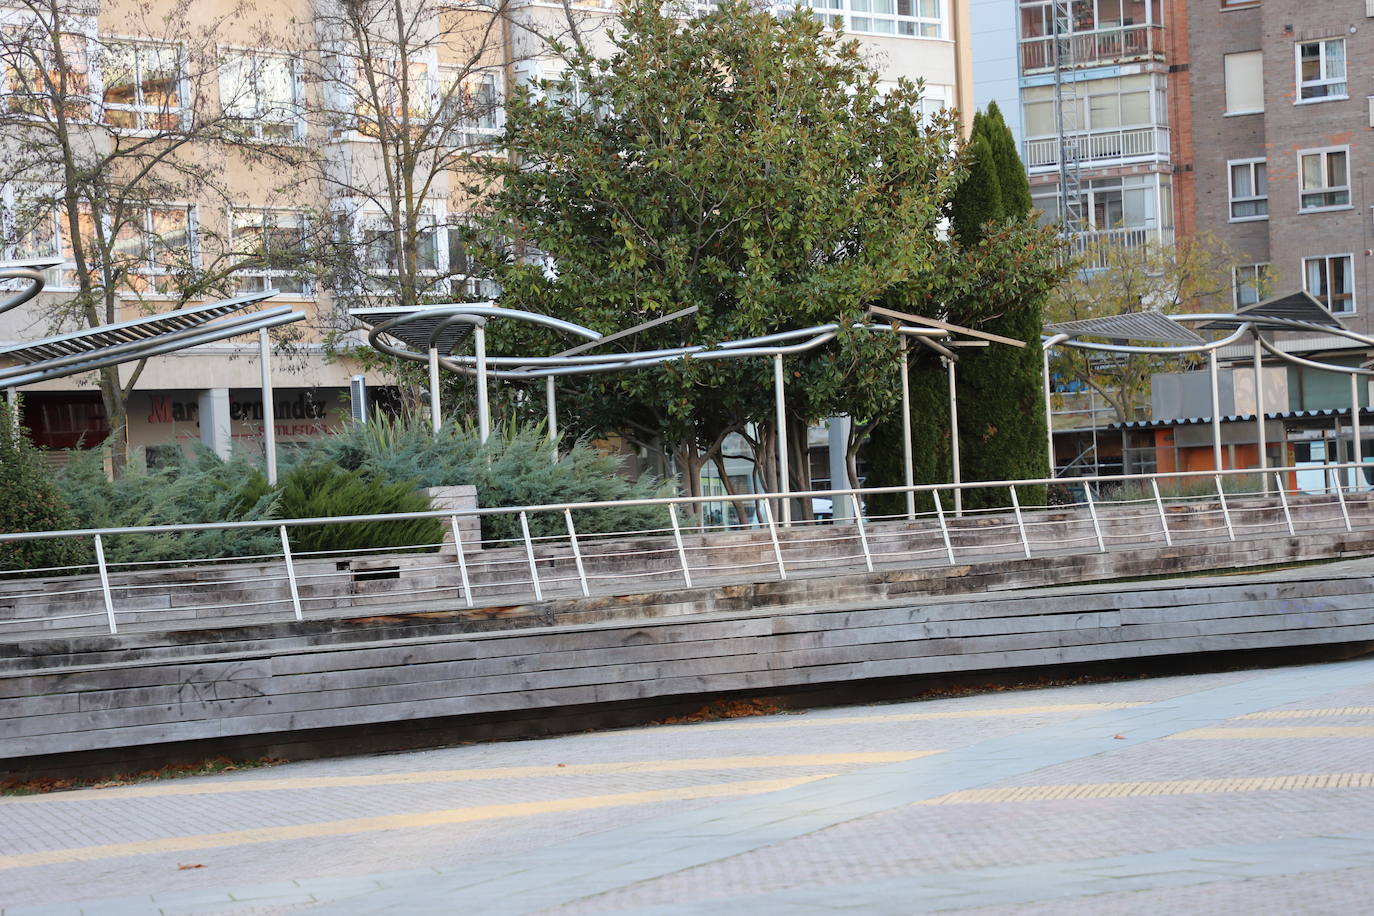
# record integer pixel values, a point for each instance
(1237, 792)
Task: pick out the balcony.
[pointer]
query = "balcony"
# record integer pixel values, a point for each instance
(1102, 46)
(1099, 245)
(1101, 147)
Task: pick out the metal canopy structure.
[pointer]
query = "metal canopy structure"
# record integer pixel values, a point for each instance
(1152, 325)
(140, 338)
(1296, 312)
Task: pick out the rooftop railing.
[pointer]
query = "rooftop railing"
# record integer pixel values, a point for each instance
(1100, 46)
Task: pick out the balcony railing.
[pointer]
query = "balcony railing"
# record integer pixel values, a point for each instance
(1096, 247)
(1131, 42)
(1101, 147)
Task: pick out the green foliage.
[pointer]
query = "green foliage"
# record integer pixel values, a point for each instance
(325, 490)
(1012, 181)
(31, 500)
(978, 199)
(202, 489)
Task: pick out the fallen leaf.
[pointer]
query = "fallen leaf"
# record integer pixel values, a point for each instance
(188, 865)
(1119, 737)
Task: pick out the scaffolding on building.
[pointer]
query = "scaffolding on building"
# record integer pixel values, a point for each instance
(1068, 114)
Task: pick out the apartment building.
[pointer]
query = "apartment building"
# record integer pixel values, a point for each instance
(298, 77)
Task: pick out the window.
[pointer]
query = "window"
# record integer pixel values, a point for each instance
(1249, 282)
(1324, 180)
(472, 108)
(460, 239)
(1244, 82)
(156, 247)
(142, 86)
(1321, 70)
(35, 226)
(1331, 279)
(32, 80)
(913, 18)
(389, 98)
(1249, 189)
(273, 242)
(261, 93)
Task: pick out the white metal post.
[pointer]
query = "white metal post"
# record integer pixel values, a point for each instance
(773, 534)
(954, 438)
(1355, 428)
(1163, 519)
(944, 529)
(462, 560)
(479, 342)
(1049, 411)
(552, 396)
(290, 572)
(1092, 513)
(1020, 522)
(863, 534)
(908, 467)
(577, 554)
(529, 555)
(681, 550)
(1283, 500)
(436, 418)
(780, 420)
(1216, 409)
(269, 419)
(1261, 433)
(1345, 513)
(1225, 512)
(105, 583)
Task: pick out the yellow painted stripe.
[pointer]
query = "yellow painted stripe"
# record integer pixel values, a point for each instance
(813, 720)
(396, 822)
(686, 765)
(1162, 787)
(1311, 713)
(1304, 731)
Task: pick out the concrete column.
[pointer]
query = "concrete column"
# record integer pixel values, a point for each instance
(216, 431)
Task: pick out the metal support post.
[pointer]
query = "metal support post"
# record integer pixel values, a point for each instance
(462, 560)
(105, 583)
(269, 420)
(479, 342)
(1092, 513)
(290, 572)
(908, 467)
(954, 438)
(773, 534)
(944, 529)
(529, 555)
(1345, 513)
(577, 554)
(1225, 512)
(1355, 432)
(1020, 522)
(863, 534)
(1049, 409)
(552, 396)
(1283, 500)
(681, 550)
(1163, 518)
(436, 418)
(1216, 409)
(1261, 434)
(780, 420)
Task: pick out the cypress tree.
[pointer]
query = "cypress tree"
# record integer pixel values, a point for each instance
(978, 199)
(1011, 173)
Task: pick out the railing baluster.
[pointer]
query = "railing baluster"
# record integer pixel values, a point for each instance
(290, 572)
(1225, 512)
(1163, 518)
(529, 555)
(1283, 500)
(773, 533)
(1020, 522)
(462, 560)
(944, 529)
(859, 521)
(1092, 512)
(105, 582)
(1345, 513)
(681, 550)
(577, 553)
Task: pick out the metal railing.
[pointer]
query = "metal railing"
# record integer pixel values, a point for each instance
(546, 553)
(1130, 42)
(1133, 143)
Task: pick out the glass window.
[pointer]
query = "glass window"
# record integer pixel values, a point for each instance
(1249, 282)
(473, 112)
(142, 86)
(1244, 82)
(912, 18)
(260, 92)
(1331, 279)
(271, 245)
(1323, 179)
(1321, 69)
(31, 80)
(155, 247)
(1249, 189)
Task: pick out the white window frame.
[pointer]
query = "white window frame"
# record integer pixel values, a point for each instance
(474, 134)
(267, 275)
(1327, 259)
(1324, 153)
(359, 213)
(895, 24)
(1324, 80)
(1231, 166)
(1256, 272)
(153, 271)
(293, 117)
(139, 109)
(62, 277)
(344, 71)
(84, 26)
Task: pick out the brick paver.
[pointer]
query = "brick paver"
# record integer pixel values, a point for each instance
(1080, 799)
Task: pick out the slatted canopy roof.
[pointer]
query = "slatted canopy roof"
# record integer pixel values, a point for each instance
(1152, 325)
(146, 330)
(418, 329)
(1299, 306)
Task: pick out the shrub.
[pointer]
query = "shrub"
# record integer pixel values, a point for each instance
(311, 490)
(31, 500)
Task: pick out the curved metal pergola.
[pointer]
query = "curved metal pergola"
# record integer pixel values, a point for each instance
(1274, 315)
(107, 345)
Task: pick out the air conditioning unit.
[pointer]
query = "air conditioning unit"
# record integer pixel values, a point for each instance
(357, 397)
